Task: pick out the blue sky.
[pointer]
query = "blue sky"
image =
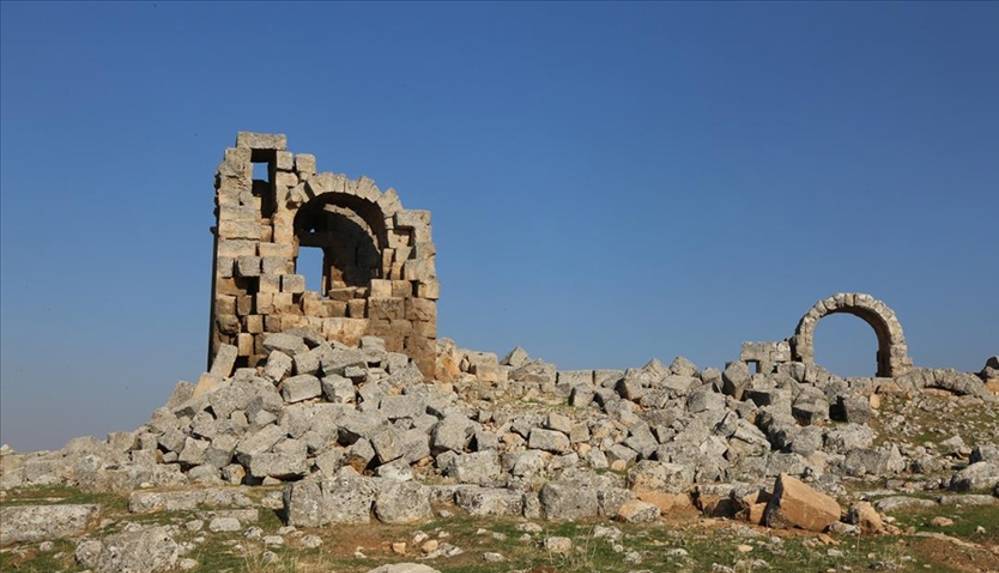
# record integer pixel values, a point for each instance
(609, 182)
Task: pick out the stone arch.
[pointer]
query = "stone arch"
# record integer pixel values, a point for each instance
(892, 355)
(351, 233)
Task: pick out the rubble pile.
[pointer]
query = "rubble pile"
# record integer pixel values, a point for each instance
(358, 433)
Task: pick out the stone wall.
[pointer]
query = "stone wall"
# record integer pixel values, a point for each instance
(379, 274)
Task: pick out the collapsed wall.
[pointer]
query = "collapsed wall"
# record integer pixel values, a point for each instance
(378, 267)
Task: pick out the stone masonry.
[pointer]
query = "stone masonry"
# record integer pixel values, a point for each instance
(379, 275)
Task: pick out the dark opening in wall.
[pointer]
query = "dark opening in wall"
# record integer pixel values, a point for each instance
(263, 182)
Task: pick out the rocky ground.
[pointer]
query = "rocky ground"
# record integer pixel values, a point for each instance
(332, 458)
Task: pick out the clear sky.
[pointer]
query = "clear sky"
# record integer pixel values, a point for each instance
(609, 182)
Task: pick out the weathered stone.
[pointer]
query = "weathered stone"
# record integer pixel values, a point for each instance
(224, 360)
(568, 501)
(344, 499)
(453, 433)
(387, 443)
(863, 515)
(794, 504)
(549, 440)
(403, 502)
(142, 550)
(34, 523)
(301, 387)
(637, 511)
(735, 379)
(490, 502)
(977, 476)
(277, 465)
(260, 441)
(404, 568)
(516, 358)
(480, 468)
(852, 408)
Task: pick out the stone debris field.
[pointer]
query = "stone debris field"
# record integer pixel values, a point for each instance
(335, 431)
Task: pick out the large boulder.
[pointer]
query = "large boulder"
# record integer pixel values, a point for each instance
(347, 498)
(403, 502)
(977, 476)
(794, 504)
(569, 501)
(33, 523)
(135, 550)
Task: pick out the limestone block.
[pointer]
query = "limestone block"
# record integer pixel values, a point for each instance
(292, 283)
(224, 266)
(425, 329)
(285, 179)
(244, 342)
(346, 330)
(236, 248)
(239, 230)
(381, 288)
(421, 309)
(253, 323)
(225, 304)
(227, 323)
(225, 359)
(244, 304)
(270, 284)
(263, 302)
(794, 504)
(264, 141)
(428, 289)
(419, 270)
(401, 288)
(284, 160)
(276, 250)
(248, 266)
(305, 164)
(276, 265)
(386, 308)
(34, 523)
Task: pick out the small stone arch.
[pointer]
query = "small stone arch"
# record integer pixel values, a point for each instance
(893, 354)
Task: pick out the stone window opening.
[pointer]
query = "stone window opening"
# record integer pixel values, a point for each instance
(263, 181)
(754, 366)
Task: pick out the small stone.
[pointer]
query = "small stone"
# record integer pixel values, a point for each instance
(187, 564)
(743, 548)
(558, 545)
(637, 511)
(224, 525)
(273, 540)
(311, 541)
(429, 546)
(399, 548)
(941, 521)
(491, 557)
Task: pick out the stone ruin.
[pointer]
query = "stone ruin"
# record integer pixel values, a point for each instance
(378, 269)
(346, 398)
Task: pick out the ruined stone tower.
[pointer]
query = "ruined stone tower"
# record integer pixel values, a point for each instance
(378, 269)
